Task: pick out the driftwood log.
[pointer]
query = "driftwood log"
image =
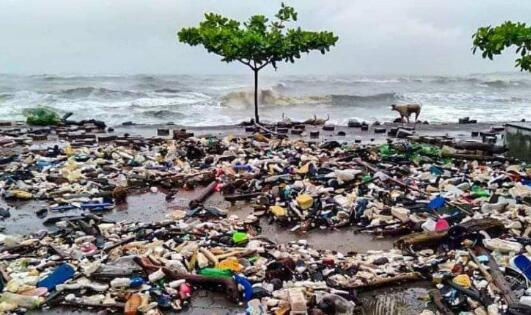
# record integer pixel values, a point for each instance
(382, 282)
(427, 239)
(437, 299)
(498, 277)
(203, 195)
(248, 196)
(228, 284)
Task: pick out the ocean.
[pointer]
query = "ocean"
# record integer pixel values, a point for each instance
(196, 100)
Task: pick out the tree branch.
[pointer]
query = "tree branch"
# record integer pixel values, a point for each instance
(245, 63)
(265, 64)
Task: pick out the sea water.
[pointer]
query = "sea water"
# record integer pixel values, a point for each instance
(227, 99)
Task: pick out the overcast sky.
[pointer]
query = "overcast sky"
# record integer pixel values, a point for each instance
(139, 36)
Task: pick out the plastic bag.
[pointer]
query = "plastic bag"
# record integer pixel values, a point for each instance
(41, 116)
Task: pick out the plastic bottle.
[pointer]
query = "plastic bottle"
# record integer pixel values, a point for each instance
(156, 276)
(215, 272)
(120, 282)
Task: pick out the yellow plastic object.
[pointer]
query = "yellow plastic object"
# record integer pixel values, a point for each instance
(305, 201)
(68, 150)
(278, 211)
(463, 280)
(21, 194)
(304, 169)
(231, 263)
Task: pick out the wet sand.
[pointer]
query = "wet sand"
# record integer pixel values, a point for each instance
(459, 131)
(153, 207)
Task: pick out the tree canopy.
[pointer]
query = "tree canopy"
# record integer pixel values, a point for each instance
(257, 42)
(494, 40)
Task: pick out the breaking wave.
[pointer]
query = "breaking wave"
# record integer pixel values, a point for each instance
(271, 97)
(90, 91)
(203, 100)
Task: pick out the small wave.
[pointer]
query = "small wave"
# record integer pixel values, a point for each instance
(167, 90)
(384, 98)
(506, 83)
(5, 96)
(163, 114)
(81, 92)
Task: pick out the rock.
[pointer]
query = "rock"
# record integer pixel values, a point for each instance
(163, 132)
(119, 194)
(403, 133)
(354, 123)
(380, 261)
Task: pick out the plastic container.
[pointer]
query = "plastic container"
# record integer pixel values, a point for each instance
(59, 275)
(240, 237)
(524, 264)
(247, 287)
(230, 263)
(278, 211)
(304, 201)
(436, 203)
(185, 291)
(132, 304)
(297, 301)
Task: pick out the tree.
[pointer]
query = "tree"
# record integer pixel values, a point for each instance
(493, 40)
(258, 42)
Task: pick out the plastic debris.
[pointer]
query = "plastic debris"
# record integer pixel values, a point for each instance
(459, 220)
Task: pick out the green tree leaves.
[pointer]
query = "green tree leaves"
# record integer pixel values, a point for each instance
(257, 42)
(494, 40)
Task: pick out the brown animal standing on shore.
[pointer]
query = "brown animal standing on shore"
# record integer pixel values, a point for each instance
(405, 110)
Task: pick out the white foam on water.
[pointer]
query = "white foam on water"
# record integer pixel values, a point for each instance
(219, 100)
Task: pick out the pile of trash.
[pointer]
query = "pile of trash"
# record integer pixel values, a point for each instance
(460, 214)
(149, 268)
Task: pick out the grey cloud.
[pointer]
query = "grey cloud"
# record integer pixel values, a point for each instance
(139, 36)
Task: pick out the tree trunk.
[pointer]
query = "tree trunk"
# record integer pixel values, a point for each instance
(256, 118)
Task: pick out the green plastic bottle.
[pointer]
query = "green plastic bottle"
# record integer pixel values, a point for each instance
(478, 192)
(215, 272)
